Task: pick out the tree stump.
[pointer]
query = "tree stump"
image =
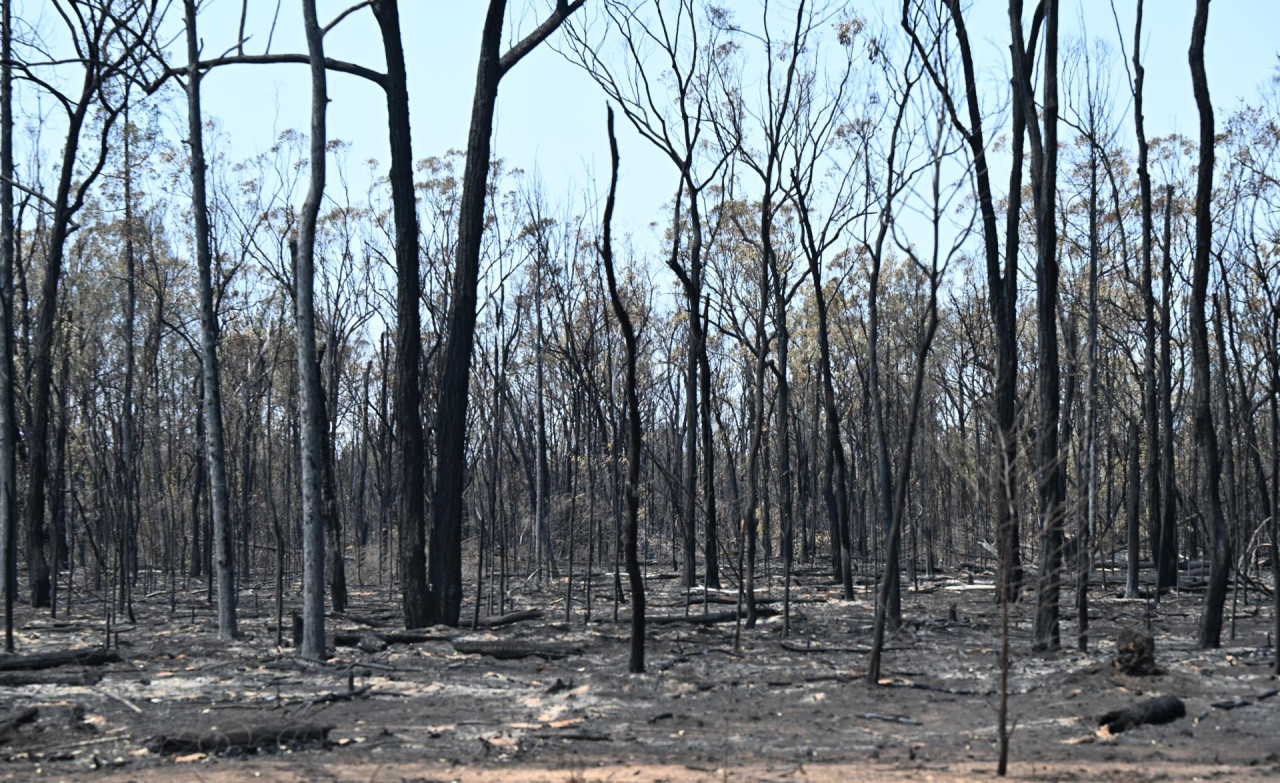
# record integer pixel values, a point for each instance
(1136, 653)
(371, 643)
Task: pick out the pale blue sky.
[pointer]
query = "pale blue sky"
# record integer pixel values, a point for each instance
(550, 114)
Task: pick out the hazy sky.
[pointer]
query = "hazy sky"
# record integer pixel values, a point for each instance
(550, 114)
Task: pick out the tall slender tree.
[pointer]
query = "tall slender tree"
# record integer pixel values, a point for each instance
(312, 446)
(1043, 135)
(211, 371)
(407, 399)
(1002, 279)
(445, 566)
(8, 422)
(636, 661)
(1206, 436)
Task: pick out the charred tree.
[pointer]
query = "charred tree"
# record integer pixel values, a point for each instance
(1206, 437)
(211, 384)
(636, 661)
(310, 393)
(444, 588)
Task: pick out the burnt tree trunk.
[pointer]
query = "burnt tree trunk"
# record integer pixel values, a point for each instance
(311, 397)
(444, 588)
(410, 451)
(8, 421)
(636, 662)
(211, 383)
(1201, 411)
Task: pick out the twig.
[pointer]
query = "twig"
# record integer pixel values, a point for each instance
(121, 699)
(889, 718)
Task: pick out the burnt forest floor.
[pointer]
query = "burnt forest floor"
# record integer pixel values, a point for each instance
(793, 710)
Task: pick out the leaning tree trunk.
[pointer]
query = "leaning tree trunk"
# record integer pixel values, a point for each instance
(1201, 411)
(37, 437)
(636, 662)
(211, 382)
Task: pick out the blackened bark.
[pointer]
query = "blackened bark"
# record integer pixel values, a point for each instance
(1088, 522)
(38, 574)
(1202, 416)
(336, 569)
(8, 421)
(636, 661)
(689, 497)
(1002, 284)
(407, 400)
(1167, 556)
(1150, 409)
(542, 524)
(835, 488)
(199, 473)
(211, 384)
(311, 426)
(1273, 359)
(711, 541)
(444, 588)
(128, 477)
(1044, 177)
(1135, 504)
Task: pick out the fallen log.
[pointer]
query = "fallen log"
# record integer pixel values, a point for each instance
(708, 619)
(369, 622)
(247, 740)
(723, 600)
(580, 736)
(512, 650)
(89, 656)
(1240, 702)
(20, 678)
(23, 716)
(511, 617)
(801, 648)
(404, 637)
(888, 718)
(1163, 709)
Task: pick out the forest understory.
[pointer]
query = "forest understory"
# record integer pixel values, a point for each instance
(783, 709)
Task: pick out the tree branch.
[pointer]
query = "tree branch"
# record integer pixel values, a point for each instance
(340, 66)
(540, 34)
